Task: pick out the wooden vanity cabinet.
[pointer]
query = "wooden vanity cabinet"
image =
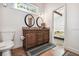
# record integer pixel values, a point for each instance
(34, 37)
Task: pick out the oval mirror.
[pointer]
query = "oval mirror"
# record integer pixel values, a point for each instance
(39, 21)
(29, 20)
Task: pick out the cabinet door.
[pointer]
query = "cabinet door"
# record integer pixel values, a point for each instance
(31, 40)
(46, 36)
(39, 37)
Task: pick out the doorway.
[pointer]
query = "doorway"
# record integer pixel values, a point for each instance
(59, 25)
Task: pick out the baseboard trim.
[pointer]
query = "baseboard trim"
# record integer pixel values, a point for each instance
(72, 50)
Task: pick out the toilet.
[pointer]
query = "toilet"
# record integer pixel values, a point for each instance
(7, 42)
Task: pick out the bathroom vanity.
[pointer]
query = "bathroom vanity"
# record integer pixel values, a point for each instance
(35, 37)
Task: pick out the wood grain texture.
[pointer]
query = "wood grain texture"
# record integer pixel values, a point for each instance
(18, 52)
(35, 37)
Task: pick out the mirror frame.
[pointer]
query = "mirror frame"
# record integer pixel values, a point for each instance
(26, 21)
(37, 21)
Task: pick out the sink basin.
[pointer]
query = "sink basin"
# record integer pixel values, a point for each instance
(6, 46)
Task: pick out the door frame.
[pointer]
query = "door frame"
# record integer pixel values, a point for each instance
(65, 21)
